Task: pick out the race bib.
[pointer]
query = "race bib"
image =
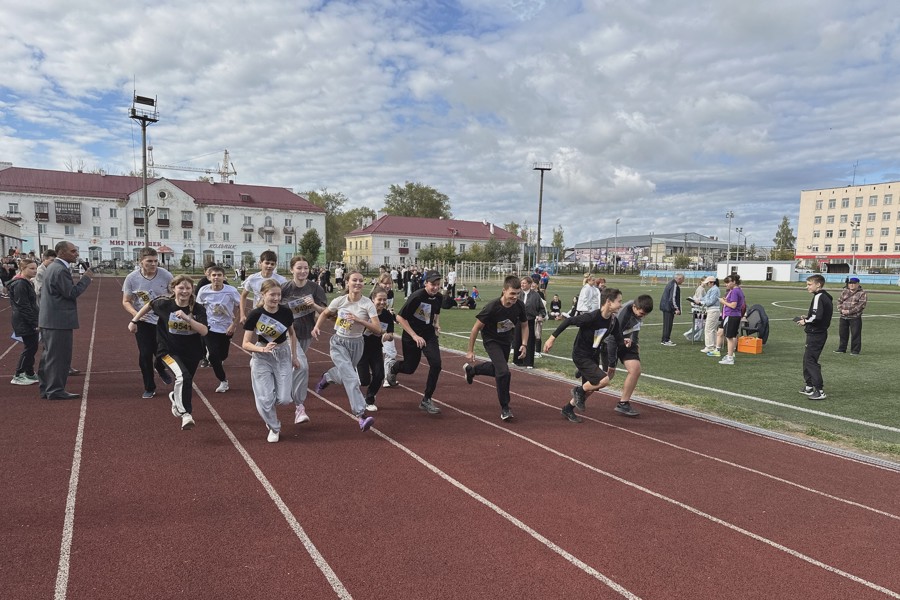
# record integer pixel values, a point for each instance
(142, 297)
(269, 329)
(632, 329)
(599, 335)
(343, 324)
(504, 326)
(423, 313)
(300, 307)
(179, 326)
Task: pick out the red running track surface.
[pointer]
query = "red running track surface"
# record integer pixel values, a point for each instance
(459, 505)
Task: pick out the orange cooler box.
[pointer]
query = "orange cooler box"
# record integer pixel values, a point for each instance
(749, 345)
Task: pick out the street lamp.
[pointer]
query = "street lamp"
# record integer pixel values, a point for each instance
(729, 215)
(616, 249)
(540, 166)
(739, 231)
(650, 250)
(854, 227)
(144, 117)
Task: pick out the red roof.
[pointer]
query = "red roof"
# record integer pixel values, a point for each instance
(440, 228)
(119, 187)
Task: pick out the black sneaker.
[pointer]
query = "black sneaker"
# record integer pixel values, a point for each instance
(391, 377)
(807, 390)
(204, 364)
(505, 413)
(625, 409)
(568, 412)
(578, 396)
(818, 395)
(470, 373)
(428, 406)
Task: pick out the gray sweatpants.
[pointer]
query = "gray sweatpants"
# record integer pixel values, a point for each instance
(270, 374)
(345, 354)
(300, 379)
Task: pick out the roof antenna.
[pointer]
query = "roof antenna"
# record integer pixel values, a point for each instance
(856, 164)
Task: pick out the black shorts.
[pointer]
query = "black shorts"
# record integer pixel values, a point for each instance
(624, 353)
(589, 369)
(732, 325)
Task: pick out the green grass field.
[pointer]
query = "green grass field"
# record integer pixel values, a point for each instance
(861, 412)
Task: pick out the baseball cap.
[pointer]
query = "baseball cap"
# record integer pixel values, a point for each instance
(853, 280)
(432, 276)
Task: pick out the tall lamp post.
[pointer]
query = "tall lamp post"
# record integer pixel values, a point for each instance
(740, 231)
(616, 249)
(650, 250)
(854, 227)
(144, 116)
(540, 166)
(729, 215)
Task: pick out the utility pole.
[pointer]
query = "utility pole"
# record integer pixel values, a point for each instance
(144, 117)
(540, 166)
(729, 215)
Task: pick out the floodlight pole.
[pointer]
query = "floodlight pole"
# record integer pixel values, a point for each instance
(144, 117)
(540, 166)
(729, 215)
(854, 226)
(616, 249)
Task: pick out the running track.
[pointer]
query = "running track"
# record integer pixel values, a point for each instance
(105, 497)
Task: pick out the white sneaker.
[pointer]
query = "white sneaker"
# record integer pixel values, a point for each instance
(273, 436)
(174, 408)
(187, 421)
(706, 349)
(727, 360)
(537, 355)
(223, 387)
(22, 380)
(300, 416)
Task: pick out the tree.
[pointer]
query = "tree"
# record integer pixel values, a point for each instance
(416, 200)
(445, 252)
(558, 241)
(333, 204)
(310, 245)
(679, 261)
(510, 250)
(784, 241)
(493, 250)
(512, 227)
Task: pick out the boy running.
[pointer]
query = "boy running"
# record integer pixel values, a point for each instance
(268, 260)
(630, 318)
(221, 301)
(496, 322)
(593, 328)
(419, 319)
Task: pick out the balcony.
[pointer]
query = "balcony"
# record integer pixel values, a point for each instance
(42, 216)
(162, 222)
(68, 218)
(187, 224)
(248, 227)
(403, 251)
(288, 230)
(14, 216)
(266, 229)
(137, 220)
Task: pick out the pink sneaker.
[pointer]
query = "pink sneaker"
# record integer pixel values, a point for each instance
(300, 415)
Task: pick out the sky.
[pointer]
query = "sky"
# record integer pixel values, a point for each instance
(664, 114)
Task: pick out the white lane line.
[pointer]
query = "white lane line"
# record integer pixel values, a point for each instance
(569, 557)
(8, 350)
(682, 505)
(332, 578)
(747, 397)
(65, 547)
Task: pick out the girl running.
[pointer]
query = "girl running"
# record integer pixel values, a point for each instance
(23, 300)
(271, 360)
(354, 313)
(180, 330)
(371, 364)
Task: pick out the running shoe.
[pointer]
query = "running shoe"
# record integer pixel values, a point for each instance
(370, 404)
(470, 373)
(366, 422)
(727, 360)
(505, 413)
(187, 422)
(818, 395)
(174, 408)
(428, 406)
(578, 396)
(568, 412)
(148, 394)
(807, 390)
(300, 415)
(273, 436)
(223, 387)
(715, 353)
(323, 383)
(625, 409)
(669, 343)
(390, 378)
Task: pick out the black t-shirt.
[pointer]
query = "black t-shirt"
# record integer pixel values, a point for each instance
(500, 322)
(270, 327)
(387, 319)
(593, 328)
(420, 310)
(174, 335)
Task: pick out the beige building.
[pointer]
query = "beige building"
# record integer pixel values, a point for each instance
(852, 226)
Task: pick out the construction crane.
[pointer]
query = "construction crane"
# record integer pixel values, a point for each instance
(226, 170)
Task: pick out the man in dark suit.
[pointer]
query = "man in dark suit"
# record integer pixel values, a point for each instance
(534, 309)
(58, 319)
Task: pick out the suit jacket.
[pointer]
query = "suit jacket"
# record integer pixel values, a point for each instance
(534, 306)
(59, 310)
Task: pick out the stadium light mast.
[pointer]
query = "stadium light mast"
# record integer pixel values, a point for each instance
(854, 227)
(729, 215)
(145, 116)
(616, 249)
(540, 166)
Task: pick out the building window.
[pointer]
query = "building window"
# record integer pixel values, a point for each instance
(888, 199)
(139, 233)
(210, 236)
(827, 247)
(226, 236)
(309, 223)
(845, 202)
(186, 234)
(886, 216)
(882, 247)
(418, 245)
(96, 231)
(248, 237)
(42, 228)
(138, 213)
(14, 208)
(162, 214)
(95, 211)
(268, 221)
(832, 203)
(163, 234)
(224, 219)
(868, 248)
(210, 218)
(818, 205)
(842, 233)
(113, 232)
(367, 244)
(857, 217)
(873, 200)
(854, 247)
(817, 221)
(68, 212)
(870, 217)
(69, 229)
(287, 222)
(829, 233)
(816, 233)
(403, 243)
(843, 219)
(289, 239)
(830, 219)
(885, 231)
(268, 238)
(857, 202)
(896, 247)
(870, 231)
(387, 244)
(114, 213)
(462, 247)
(815, 248)
(248, 220)
(840, 248)
(187, 215)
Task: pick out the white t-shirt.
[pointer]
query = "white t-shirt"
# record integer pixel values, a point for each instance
(143, 290)
(220, 306)
(451, 278)
(342, 307)
(253, 284)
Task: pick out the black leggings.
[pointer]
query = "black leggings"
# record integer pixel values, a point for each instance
(371, 365)
(498, 368)
(412, 355)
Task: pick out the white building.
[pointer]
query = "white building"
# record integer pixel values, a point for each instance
(103, 215)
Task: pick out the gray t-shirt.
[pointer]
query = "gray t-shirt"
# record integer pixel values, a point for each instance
(300, 299)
